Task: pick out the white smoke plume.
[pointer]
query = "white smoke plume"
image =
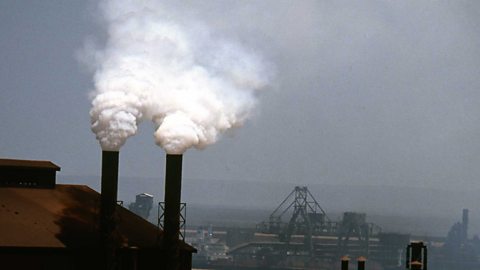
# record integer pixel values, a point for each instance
(192, 85)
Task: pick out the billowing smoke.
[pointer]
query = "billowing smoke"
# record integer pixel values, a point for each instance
(191, 84)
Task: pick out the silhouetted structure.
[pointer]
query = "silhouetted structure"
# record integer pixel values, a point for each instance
(458, 252)
(171, 224)
(143, 205)
(27, 173)
(354, 225)
(59, 228)
(361, 263)
(344, 262)
(307, 218)
(108, 205)
(311, 240)
(417, 256)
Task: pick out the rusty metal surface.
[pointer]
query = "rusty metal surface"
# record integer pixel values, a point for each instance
(66, 216)
(36, 164)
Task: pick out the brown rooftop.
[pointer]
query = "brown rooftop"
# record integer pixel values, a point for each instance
(65, 217)
(58, 229)
(37, 164)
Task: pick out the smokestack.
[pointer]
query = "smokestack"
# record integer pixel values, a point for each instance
(361, 263)
(344, 264)
(108, 204)
(171, 223)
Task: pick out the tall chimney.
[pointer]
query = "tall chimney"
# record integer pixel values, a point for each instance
(173, 190)
(108, 203)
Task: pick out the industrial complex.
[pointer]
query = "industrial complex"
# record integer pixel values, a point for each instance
(45, 225)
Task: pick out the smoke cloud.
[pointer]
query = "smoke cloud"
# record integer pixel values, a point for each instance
(191, 84)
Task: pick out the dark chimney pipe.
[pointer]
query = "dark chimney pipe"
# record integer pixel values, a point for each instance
(108, 204)
(345, 261)
(361, 263)
(171, 223)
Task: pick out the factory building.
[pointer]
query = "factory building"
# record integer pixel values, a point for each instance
(44, 225)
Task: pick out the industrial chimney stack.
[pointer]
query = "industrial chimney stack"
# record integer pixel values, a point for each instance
(108, 204)
(173, 190)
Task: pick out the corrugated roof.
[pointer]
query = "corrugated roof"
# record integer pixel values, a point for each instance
(66, 216)
(37, 164)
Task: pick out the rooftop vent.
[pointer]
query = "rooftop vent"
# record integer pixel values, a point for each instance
(27, 173)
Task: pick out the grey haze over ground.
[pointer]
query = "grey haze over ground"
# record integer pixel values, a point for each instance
(375, 104)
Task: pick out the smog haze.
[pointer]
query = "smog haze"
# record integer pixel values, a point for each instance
(374, 104)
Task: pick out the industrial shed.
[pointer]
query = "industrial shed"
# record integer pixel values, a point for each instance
(58, 228)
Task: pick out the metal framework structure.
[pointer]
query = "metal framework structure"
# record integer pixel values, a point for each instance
(183, 215)
(307, 214)
(307, 217)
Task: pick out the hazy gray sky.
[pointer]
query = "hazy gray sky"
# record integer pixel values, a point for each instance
(366, 92)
